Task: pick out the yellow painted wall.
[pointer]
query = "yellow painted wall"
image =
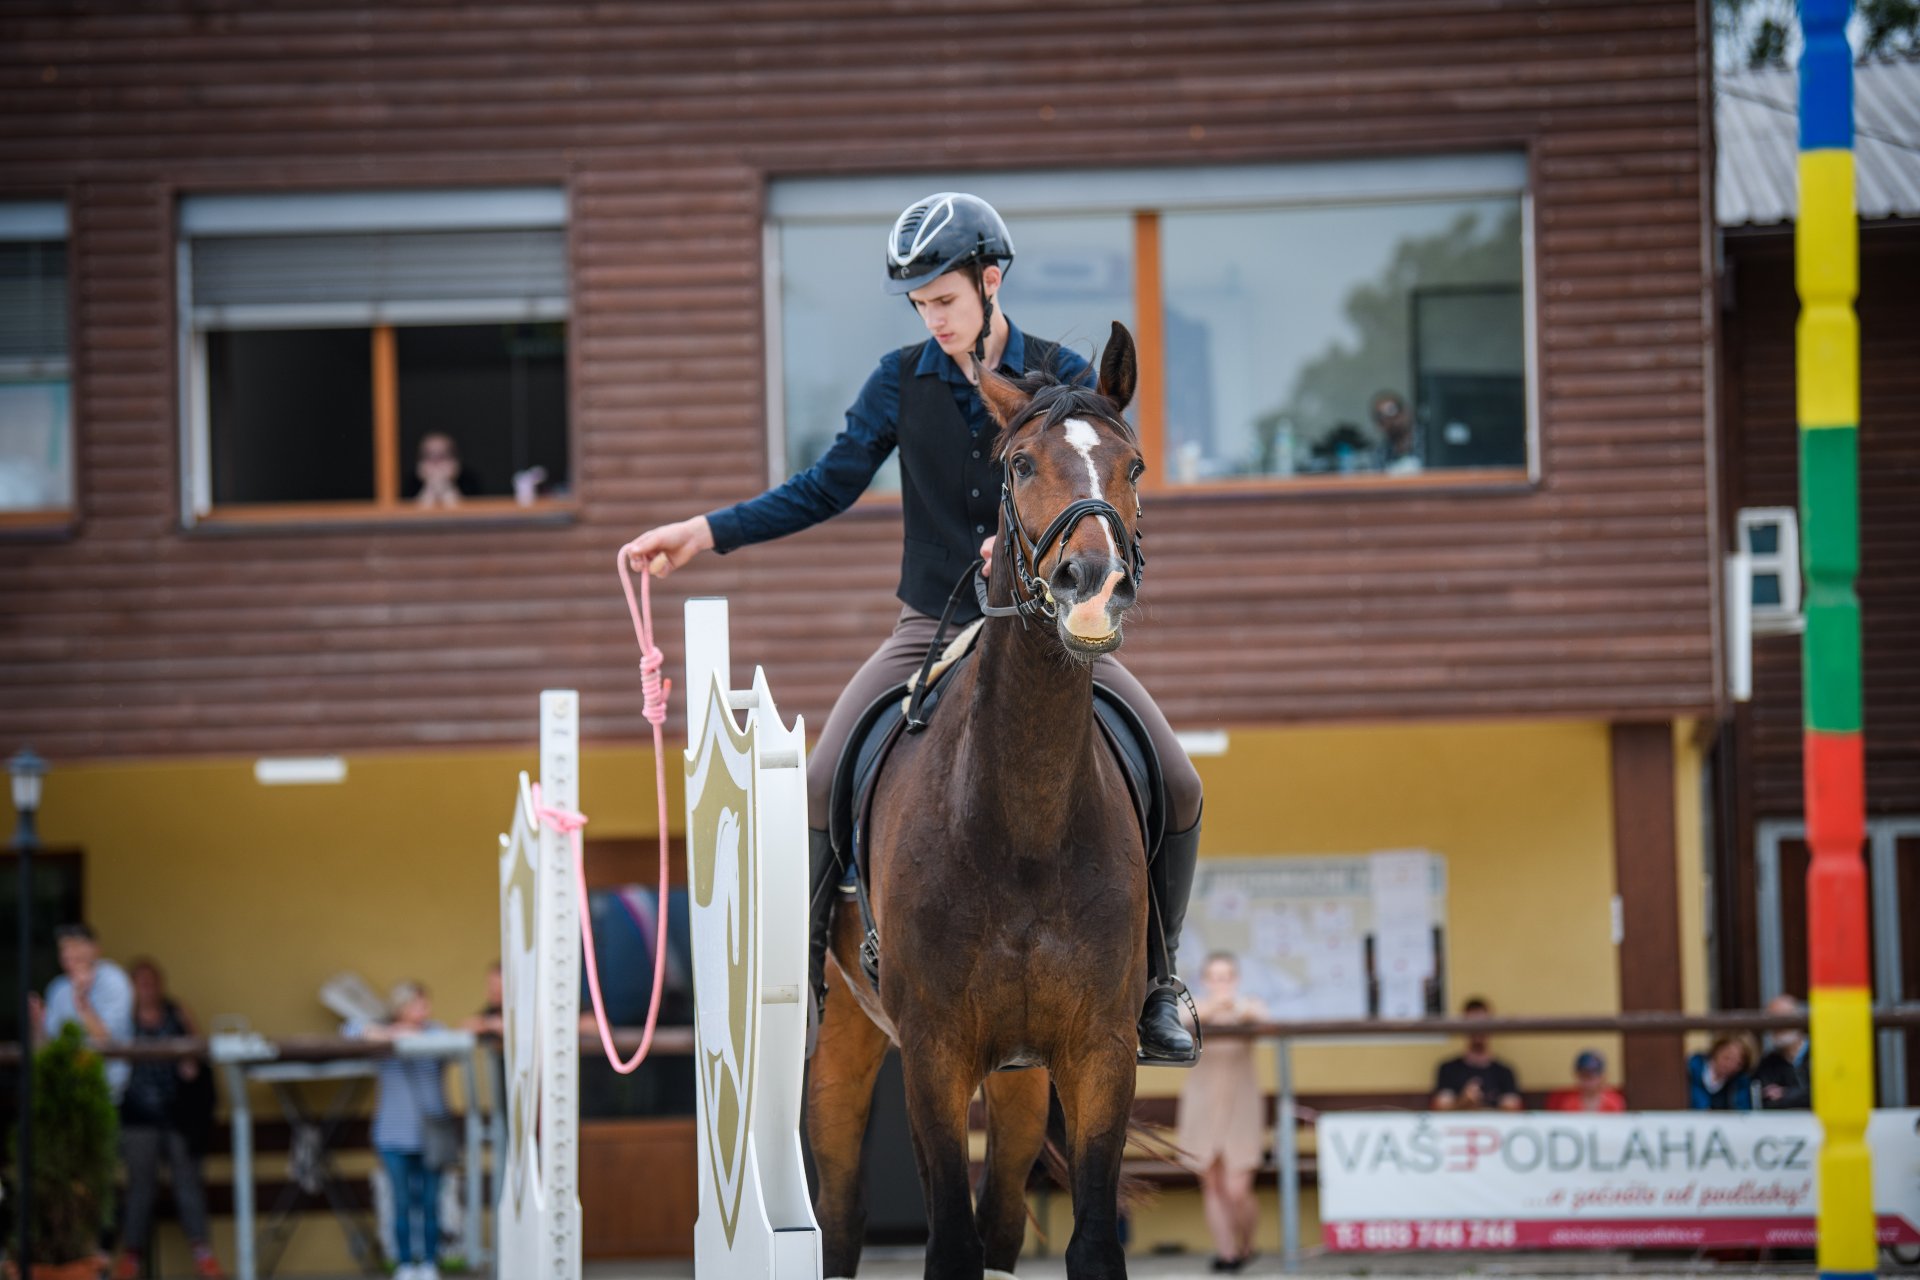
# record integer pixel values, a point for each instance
(252, 896)
(1522, 815)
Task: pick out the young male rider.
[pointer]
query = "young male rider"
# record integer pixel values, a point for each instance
(948, 254)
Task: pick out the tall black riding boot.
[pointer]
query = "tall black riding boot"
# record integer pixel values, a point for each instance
(823, 885)
(1163, 1041)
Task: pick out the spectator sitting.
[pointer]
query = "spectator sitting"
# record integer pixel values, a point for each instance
(1590, 1092)
(1785, 1073)
(154, 1119)
(92, 991)
(411, 1094)
(1719, 1079)
(1476, 1080)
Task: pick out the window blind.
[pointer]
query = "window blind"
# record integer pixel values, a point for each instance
(33, 300)
(375, 277)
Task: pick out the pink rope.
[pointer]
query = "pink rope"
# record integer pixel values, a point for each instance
(654, 690)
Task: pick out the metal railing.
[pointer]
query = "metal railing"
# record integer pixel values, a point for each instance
(1281, 1035)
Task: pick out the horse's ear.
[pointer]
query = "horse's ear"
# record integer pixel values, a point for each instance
(1005, 401)
(1119, 368)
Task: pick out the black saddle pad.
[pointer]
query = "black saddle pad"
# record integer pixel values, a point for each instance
(884, 720)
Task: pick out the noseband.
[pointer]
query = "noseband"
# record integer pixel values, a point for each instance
(1032, 597)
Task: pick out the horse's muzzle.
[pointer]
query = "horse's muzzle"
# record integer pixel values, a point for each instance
(1090, 594)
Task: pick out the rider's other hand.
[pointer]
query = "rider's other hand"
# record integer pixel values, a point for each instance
(986, 553)
(670, 546)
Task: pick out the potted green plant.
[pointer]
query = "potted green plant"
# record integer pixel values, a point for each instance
(76, 1135)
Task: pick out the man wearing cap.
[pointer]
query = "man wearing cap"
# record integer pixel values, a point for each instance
(948, 254)
(1590, 1092)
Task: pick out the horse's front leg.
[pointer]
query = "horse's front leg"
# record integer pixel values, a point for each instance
(1096, 1095)
(940, 1083)
(840, 1081)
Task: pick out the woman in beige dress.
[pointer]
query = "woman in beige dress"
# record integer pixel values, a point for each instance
(1222, 1127)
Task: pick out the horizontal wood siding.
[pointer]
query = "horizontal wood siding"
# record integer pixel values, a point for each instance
(1588, 595)
(1762, 443)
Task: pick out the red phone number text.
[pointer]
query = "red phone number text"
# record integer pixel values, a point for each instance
(1426, 1234)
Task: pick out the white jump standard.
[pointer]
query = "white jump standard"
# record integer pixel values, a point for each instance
(537, 1219)
(747, 887)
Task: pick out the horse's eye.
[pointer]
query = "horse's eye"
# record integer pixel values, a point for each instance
(1134, 473)
(1022, 465)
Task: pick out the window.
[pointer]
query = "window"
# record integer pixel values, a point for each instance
(1073, 276)
(1770, 544)
(375, 353)
(1343, 338)
(1305, 324)
(36, 414)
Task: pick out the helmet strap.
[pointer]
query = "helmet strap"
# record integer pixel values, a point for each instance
(986, 317)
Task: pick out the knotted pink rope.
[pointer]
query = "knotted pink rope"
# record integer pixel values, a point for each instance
(654, 690)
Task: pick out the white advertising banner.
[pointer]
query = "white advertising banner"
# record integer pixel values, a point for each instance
(1563, 1180)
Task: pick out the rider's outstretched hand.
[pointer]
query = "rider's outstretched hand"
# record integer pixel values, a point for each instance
(670, 546)
(986, 553)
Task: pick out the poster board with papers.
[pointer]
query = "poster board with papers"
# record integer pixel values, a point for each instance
(1355, 936)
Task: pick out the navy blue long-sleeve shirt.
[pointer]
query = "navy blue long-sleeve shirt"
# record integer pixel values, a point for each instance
(844, 471)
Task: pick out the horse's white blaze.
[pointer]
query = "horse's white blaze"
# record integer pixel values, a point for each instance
(1082, 436)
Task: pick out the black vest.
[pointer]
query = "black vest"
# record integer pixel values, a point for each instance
(949, 485)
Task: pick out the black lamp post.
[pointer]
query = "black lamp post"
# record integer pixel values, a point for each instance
(27, 769)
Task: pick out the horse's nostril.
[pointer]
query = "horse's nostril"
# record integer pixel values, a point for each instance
(1066, 580)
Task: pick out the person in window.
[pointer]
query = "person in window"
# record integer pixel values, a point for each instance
(1721, 1078)
(437, 466)
(166, 1101)
(1785, 1071)
(1590, 1092)
(1476, 1080)
(1398, 453)
(948, 253)
(1222, 1129)
(412, 1094)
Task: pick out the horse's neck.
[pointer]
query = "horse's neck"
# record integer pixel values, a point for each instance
(1029, 730)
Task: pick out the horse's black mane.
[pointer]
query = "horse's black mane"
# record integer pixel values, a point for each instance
(1054, 400)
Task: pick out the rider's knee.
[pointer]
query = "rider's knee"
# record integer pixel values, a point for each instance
(1184, 794)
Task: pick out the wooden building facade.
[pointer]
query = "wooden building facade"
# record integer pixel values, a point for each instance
(1503, 656)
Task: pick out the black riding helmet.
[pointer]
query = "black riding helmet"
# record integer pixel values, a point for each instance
(940, 233)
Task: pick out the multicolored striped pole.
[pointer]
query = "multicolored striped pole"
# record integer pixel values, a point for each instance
(1827, 271)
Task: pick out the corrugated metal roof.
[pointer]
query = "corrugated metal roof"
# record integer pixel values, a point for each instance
(1754, 118)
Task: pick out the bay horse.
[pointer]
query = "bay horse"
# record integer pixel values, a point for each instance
(1008, 873)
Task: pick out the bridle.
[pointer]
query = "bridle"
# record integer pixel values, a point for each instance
(1032, 597)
